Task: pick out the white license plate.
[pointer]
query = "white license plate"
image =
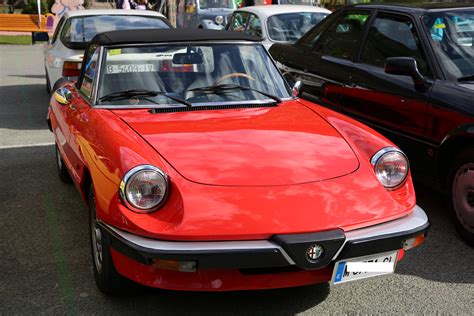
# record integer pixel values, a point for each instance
(364, 267)
(117, 69)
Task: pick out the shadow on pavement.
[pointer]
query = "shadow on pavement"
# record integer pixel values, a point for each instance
(270, 302)
(23, 107)
(445, 257)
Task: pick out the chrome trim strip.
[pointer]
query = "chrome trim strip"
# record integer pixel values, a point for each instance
(217, 246)
(415, 220)
(375, 158)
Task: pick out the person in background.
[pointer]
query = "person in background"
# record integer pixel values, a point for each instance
(143, 5)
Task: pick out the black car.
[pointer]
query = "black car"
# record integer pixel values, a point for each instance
(409, 73)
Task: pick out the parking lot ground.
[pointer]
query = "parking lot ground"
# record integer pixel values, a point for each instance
(45, 256)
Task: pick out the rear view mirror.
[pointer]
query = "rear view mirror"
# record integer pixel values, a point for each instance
(40, 37)
(62, 96)
(187, 58)
(405, 66)
(297, 88)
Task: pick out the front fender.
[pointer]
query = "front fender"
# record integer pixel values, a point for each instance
(459, 138)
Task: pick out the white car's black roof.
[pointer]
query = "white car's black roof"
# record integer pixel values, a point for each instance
(168, 35)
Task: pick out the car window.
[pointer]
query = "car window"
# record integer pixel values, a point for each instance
(451, 34)
(289, 27)
(239, 21)
(211, 4)
(254, 26)
(90, 67)
(309, 39)
(79, 31)
(57, 30)
(342, 37)
(393, 36)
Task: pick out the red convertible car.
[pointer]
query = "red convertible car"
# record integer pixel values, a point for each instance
(204, 170)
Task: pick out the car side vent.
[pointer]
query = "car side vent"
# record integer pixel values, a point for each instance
(212, 107)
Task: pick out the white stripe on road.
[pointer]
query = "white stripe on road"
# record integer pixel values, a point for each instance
(26, 145)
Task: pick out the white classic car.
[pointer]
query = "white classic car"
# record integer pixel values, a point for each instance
(276, 23)
(64, 51)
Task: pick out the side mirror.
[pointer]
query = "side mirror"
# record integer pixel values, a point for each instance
(40, 37)
(62, 96)
(297, 88)
(405, 66)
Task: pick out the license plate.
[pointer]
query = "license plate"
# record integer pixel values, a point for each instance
(117, 69)
(364, 267)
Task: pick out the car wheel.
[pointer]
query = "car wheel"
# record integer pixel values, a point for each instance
(48, 83)
(108, 280)
(62, 169)
(462, 194)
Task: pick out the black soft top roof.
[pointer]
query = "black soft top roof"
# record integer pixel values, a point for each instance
(168, 35)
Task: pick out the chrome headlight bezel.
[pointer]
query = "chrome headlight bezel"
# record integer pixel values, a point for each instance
(219, 19)
(378, 158)
(126, 181)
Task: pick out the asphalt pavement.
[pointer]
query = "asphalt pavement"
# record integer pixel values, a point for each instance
(45, 258)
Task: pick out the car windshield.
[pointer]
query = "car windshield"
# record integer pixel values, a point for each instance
(161, 75)
(79, 31)
(451, 34)
(289, 27)
(209, 4)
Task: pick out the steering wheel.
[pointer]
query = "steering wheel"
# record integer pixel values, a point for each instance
(233, 75)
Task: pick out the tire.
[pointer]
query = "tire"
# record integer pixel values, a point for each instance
(63, 173)
(61, 81)
(461, 193)
(107, 279)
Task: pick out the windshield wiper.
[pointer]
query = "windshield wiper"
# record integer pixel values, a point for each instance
(467, 78)
(222, 88)
(142, 92)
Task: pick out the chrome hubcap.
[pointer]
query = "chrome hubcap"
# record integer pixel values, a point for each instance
(96, 242)
(463, 196)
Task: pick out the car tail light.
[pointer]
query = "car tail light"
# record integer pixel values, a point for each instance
(71, 69)
(184, 68)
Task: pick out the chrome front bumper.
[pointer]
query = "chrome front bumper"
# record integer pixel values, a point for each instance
(279, 251)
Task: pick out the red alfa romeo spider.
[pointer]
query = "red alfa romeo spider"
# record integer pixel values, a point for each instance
(203, 170)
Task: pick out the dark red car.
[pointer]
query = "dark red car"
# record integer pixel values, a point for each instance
(409, 73)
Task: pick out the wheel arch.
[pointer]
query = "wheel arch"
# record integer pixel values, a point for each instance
(460, 138)
(86, 184)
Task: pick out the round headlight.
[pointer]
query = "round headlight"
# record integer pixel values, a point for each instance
(144, 188)
(390, 166)
(219, 19)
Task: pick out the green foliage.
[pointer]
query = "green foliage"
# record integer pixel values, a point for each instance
(31, 7)
(15, 40)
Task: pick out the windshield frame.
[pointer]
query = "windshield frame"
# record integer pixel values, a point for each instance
(94, 101)
(286, 13)
(85, 45)
(444, 73)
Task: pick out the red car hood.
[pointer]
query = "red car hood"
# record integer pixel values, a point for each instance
(283, 145)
